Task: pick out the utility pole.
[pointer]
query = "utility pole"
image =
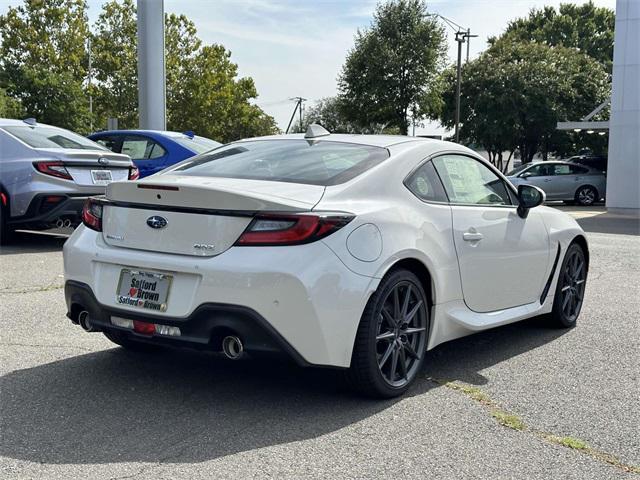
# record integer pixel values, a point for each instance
(90, 81)
(299, 101)
(461, 37)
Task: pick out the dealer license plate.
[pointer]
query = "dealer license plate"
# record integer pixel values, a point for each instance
(101, 177)
(145, 290)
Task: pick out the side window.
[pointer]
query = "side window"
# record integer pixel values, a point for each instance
(561, 169)
(109, 142)
(468, 181)
(140, 148)
(540, 170)
(576, 170)
(425, 184)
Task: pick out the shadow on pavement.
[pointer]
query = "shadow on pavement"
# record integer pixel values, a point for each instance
(33, 243)
(607, 223)
(117, 406)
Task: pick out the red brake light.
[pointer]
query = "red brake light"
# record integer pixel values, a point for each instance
(92, 214)
(53, 168)
(134, 173)
(291, 229)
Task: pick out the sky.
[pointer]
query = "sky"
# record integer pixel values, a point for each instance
(297, 47)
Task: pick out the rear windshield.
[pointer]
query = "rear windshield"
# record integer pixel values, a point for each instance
(297, 161)
(51, 137)
(196, 144)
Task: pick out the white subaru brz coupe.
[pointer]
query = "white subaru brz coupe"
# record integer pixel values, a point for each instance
(349, 251)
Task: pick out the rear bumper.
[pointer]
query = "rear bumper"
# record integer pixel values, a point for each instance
(204, 329)
(302, 295)
(43, 214)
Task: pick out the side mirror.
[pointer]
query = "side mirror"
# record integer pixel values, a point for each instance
(529, 197)
(526, 175)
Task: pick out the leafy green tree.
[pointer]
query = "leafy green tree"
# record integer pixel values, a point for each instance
(393, 66)
(514, 94)
(584, 27)
(43, 60)
(203, 91)
(10, 107)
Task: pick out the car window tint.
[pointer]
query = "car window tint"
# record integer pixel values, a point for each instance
(108, 142)
(540, 170)
(425, 184)
(561, 169)
(575, 169)
(469, 181)
(299, 161)
(41, 136)
(140, 148)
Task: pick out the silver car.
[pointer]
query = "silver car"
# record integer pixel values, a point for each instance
(565, 181)
(46, 174)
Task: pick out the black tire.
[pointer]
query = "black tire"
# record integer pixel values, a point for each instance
(6, 232)
(125, 342)
(569, 296)
(386, 367)
(586, 195)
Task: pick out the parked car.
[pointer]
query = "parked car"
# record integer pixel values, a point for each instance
(347, 251)
(154, 150)
(597, 162)
(560, 180)
(47, 173)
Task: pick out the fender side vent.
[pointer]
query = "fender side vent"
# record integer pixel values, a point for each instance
(543, 297)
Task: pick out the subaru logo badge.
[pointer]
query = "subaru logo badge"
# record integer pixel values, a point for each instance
(103, 161)
(157, 221)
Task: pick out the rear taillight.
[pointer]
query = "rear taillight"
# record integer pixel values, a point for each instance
(92, 214)
(134, 173)
(296, 229)
(53, 168)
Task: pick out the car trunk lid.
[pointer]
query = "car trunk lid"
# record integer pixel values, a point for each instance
(91, 167)
(200, 216)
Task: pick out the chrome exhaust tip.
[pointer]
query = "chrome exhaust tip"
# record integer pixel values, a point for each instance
(67, 223)
(85, 322)
(232, 347)
(59, 223)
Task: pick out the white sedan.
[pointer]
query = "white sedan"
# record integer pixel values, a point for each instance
(358, 252)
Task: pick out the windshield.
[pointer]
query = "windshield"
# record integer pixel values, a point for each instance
(196, 144)
(518, 169)
(51, 137)
(298, 161)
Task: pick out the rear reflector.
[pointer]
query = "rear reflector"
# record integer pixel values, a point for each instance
(54, 169)
(146, 328)
(92, 214)
(271, 229)
(3, 198)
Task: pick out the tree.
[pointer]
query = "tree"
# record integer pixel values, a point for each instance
(330, 113)
(514, 94)
(10, 107)
(393, 65)
(585, 27)
(203, 91)
(43, 60)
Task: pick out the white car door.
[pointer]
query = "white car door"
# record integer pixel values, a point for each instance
(503, 258)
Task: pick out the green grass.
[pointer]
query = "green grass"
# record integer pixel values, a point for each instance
(508, 420)
(570, 442)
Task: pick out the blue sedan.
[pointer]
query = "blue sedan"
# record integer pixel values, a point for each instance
(154, 150)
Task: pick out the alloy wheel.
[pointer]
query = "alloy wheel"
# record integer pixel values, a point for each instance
(401, 334)
(573, 284)
(586, 196)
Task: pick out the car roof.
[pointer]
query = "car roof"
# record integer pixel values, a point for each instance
(371, 140)
(165, 133)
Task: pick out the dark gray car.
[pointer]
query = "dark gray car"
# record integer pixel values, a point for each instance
(46, 174)
(565, 181)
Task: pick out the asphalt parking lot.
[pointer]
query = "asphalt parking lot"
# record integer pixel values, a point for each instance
(522, 401)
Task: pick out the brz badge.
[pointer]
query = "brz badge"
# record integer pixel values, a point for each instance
(203, 246)
(157, 221)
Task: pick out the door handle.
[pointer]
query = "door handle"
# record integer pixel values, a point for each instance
(547, 179)
(472, 236)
